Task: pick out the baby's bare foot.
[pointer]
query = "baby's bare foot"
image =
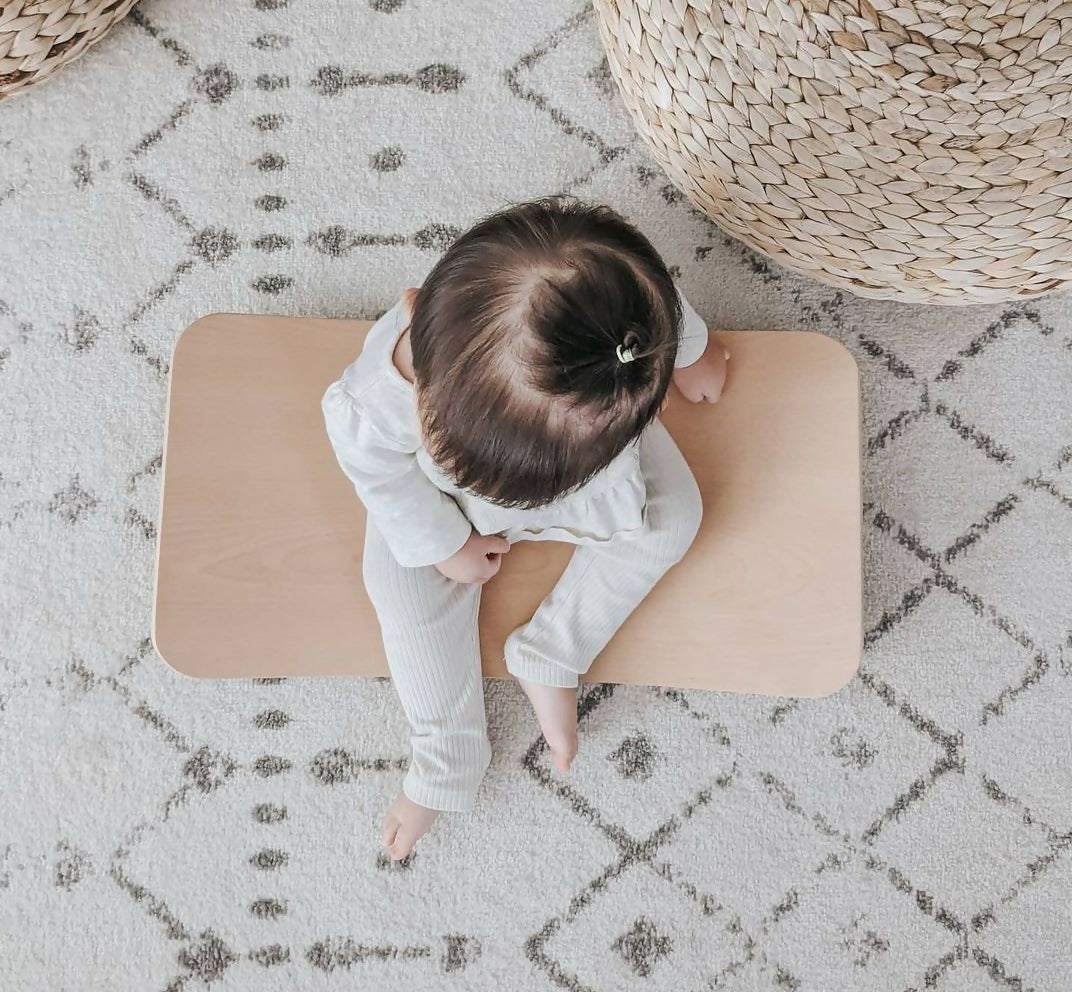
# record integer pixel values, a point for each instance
(404, 824)
(556, 711)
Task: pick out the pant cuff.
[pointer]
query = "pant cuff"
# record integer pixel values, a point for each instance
(439, 797)
(540, 671)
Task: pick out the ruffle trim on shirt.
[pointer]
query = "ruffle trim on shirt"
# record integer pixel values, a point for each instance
(342, 409)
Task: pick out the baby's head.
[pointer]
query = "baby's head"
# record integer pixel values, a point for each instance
(543, 344)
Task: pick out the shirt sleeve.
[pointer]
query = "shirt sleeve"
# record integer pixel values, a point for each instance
(421, 524)
(693, 340)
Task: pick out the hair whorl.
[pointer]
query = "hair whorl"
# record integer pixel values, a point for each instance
(516, 335)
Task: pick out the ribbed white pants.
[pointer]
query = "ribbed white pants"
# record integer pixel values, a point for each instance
(430, 633)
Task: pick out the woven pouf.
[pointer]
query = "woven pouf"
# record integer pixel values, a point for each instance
(38, 36)
(913, 150)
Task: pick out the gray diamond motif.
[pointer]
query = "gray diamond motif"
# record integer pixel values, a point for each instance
(73, 503)
(643, 946)
(214, 244)
(634, 758)
(865, 943)
(906, 833)
(207, 958)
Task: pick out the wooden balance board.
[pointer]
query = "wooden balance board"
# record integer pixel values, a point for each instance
(259, 561)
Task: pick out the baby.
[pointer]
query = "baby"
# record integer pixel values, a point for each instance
(514, 397)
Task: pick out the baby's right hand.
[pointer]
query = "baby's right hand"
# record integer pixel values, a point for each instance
(479, 559)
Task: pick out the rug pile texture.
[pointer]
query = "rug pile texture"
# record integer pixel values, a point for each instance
(157, 833)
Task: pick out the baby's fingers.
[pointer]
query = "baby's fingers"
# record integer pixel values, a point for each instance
(491, 569)
(496, 545)
(694, 394)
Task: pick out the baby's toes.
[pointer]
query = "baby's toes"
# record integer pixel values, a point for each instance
(563, 751)
(401, 844)
(389, 830)
(563, 760)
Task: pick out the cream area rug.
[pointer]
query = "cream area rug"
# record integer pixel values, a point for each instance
(913, 831)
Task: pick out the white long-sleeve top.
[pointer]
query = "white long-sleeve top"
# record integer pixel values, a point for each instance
(373, 425)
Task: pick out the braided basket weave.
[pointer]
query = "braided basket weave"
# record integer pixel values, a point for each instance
(38, 36)
(905, 149)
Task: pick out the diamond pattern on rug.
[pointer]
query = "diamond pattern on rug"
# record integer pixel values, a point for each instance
(271, 156)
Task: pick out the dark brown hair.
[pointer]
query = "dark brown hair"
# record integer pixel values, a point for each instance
(515, 332)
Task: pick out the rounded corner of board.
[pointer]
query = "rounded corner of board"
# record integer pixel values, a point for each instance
(199, 325)
(840, 678)
(194, 331)
(835, 347)
(162, 654)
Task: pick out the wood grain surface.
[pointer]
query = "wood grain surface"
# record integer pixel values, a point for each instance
(259, 558)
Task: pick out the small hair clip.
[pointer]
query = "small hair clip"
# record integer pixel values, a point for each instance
(625, 355)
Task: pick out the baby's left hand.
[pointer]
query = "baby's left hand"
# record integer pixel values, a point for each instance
(702, 381)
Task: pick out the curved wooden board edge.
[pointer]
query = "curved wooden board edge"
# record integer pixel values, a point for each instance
(219, 654)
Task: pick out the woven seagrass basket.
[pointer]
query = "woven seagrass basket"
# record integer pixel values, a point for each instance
(904, 149)
(38, 36)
